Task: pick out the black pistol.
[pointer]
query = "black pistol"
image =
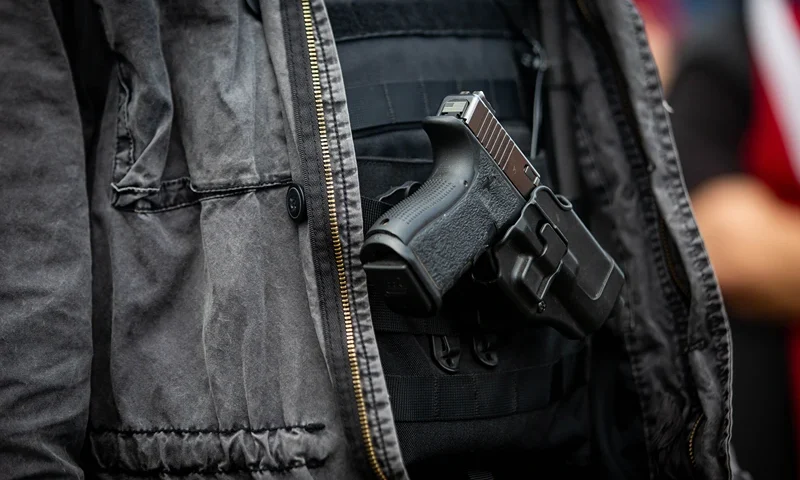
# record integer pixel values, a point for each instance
(483, 203)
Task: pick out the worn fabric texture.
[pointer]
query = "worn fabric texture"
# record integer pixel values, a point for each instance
(161, 315)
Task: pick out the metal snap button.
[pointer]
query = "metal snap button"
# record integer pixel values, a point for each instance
(296, 203)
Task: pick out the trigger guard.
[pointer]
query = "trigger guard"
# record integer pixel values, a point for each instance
(395, 195)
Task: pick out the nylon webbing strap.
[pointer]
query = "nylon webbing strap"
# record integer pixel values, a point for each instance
(371, 211)
(473, 396)
(387, 18)
(479, 475)
(407, 102)
(385, 320)
(560, 111)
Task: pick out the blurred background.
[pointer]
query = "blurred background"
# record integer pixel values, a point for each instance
(731, 74)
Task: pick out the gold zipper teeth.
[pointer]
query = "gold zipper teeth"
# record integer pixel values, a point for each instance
(584, 11)
(692, 435)
(337, 241)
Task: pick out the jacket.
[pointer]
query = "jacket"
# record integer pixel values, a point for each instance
(162, 313)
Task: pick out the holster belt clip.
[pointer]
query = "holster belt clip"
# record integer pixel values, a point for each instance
(554, 270)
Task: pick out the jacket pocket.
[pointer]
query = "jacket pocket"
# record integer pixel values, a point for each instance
(198, 113)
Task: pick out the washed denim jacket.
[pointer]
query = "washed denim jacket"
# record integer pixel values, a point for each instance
(162, 315)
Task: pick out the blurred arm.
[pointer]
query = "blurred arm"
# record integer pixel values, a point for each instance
(753, 240)
(752, 237)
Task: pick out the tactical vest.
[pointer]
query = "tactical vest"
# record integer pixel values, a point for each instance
(473, 392)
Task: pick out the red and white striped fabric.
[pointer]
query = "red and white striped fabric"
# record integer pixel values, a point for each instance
(772, 146)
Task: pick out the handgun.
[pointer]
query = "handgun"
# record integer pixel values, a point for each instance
(483, 203)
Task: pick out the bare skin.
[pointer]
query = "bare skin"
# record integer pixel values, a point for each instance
(753, 240)
(662, 44)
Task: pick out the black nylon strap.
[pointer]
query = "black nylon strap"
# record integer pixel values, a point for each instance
(560, 111)
(473, 396)
(385, 18)
(385, 320)
(383, 104)
(479, 475)
(371, 211)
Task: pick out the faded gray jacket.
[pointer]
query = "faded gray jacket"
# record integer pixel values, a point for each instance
(162, 315)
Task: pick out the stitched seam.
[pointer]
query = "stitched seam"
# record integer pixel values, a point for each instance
(437, 406)
(322, 257)
(180, 205)
(335, 131)
(347, 223)
(115, 160)
(131, 155)
(680, 200)
(603, 184)
(673, 295)
(134, 189)
(116, 130)
(645, 394)
(643, 189)
(375, 158)
(607, 197)
(476, 408)
(229, 193)
(122, 105)
(667, 154)
(184, 472)
(425, 94)
(230, 188)
(389, 103)
(721, 369)
(308, 427)
(187, 180)
(697, 345)
(636, 368)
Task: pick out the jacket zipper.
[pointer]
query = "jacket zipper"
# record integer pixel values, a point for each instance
(692, 436)
(670, 260)
(627, 108)
(350, 341)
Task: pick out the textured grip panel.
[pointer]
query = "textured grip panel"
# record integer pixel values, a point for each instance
(432, 192)
(419, 248)
(447, 246)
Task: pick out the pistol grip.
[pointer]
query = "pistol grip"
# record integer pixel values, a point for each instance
(418, 250)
